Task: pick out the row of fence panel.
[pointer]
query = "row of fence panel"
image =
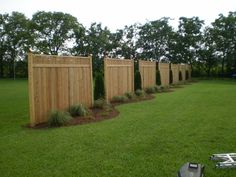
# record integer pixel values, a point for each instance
(57, 82)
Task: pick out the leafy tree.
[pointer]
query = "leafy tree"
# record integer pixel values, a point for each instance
(224, 34)
(3, 46)
(189, 37)
(96, 41)
(15, 40)
(207, 51)
(154, 39)
(53, 31)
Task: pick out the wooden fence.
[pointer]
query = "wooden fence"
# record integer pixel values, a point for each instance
(147, 71)
(182, 69)
(56, 82)
(164, 69)
(175, 73)
(118, 76)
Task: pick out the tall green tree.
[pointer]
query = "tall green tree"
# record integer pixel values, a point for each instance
(154, 39)
(189, 38)
(15, 40)
(224, 32)
(207, 52)
(53, 31)
(3, 46)
(97, 42)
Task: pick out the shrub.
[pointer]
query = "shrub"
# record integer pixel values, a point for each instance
(157, 89)
(187, 75)
(119, 99)
(99, 90)
(180, 76)
(137, 81)
(101, 104)
(139, 93)
(158, 77)
(150, 90)
(171, 77)
(78, 110)
(58, 118)
(130, 95)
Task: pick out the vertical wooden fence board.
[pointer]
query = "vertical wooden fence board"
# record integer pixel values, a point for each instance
(55, 83)
(164, 69)
(118, 77)
(188, 68)
(175, 73)
(182, 69)
(147, 71)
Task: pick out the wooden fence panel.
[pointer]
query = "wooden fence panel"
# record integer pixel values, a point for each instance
(119, 77)
(147, 71)
(164, 69)
(182, 69)
(175, 73)
(55, 83)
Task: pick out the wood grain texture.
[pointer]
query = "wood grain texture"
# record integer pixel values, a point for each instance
(57, 82)
(118, 77)
(164, 69)
(147, 71)
(175, 73)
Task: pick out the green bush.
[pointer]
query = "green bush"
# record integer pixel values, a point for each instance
(99, 90)
(78, 110)
(101, 104)
(137, 81)
(180, 76)
(158, 77)
(139, 93)
(58, 118)
(150, 90)
(157, 89)
(130, 95)
(120, 99)
(171, 77)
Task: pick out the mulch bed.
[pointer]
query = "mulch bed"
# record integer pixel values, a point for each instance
(96, 115)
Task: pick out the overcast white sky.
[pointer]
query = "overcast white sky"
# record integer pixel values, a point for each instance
(117, 13)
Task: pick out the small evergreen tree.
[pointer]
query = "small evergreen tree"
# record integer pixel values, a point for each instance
(158, 77)
(171, 77)
(99, 91)
(137, 81)
(187, 75)
(180, 76)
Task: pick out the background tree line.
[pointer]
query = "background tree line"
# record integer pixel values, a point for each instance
(211, 50)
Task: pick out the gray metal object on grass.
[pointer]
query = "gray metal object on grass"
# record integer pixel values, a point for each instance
(191, 170)
(228, 160)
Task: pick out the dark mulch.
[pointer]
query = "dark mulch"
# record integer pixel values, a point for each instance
(96, 115)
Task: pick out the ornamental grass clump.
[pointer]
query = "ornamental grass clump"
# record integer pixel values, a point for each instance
(58, 118)
(101, 104)
(139, 93)
(150, 90)
(78, 110)
(120, 99)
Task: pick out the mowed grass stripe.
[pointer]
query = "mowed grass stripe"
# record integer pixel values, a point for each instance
(151, 138)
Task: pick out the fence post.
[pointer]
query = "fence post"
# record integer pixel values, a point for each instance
(91, 77)
(31, 89)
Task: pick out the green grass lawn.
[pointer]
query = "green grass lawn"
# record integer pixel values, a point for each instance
(149, 139)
